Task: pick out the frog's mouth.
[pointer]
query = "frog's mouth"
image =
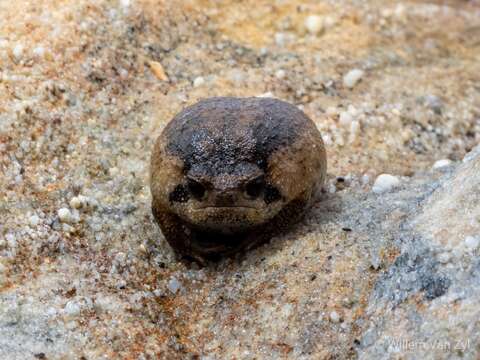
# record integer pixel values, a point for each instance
(225, 219)
(221, 208)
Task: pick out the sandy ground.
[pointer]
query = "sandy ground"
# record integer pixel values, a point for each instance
(85, 88)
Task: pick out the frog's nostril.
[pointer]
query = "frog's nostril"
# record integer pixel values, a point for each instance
(225, 199)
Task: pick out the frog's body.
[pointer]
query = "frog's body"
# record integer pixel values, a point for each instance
(229, 173)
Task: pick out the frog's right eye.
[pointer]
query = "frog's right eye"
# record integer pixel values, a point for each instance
(254, 188)
(179, 194)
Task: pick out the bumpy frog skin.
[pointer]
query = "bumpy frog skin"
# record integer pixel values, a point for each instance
(229, 173)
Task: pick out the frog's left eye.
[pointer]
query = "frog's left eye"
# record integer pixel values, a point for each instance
(271, 194)
(254, 188)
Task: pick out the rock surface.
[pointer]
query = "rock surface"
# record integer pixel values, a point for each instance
(86, 87)
(424, 303)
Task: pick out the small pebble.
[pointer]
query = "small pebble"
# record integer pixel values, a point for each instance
(82, 202)
(18, 51)
(334, 317)
(174, 285)
(158, 70)
(142, 249)
(329, 22)
(280, 74)
(279, 39)
(439, 164)
(266, 95)
(282, 39)
(11, 240)
(327, 139)
(120, 258)
(237, 77)
(384, 183)
(199, 81)
(444, 257)
(351, 78)
(34, 220)
(72, 308)
(67, 228)
(314, 24)
(113, 171)
(472, 242)
(332, 111)
(345, 118)
(123, 73)
(76, 203)
(354, 130)
(65, 215)
(434, 103)
(121, 284)
(39, 51)
(341, 183)
(158, 292)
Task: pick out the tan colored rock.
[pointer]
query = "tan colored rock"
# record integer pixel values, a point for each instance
(158, 70)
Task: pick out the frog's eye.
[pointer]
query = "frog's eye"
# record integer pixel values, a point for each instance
(254, 188)
(271, 194)
(179, 194)
(196, 188)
